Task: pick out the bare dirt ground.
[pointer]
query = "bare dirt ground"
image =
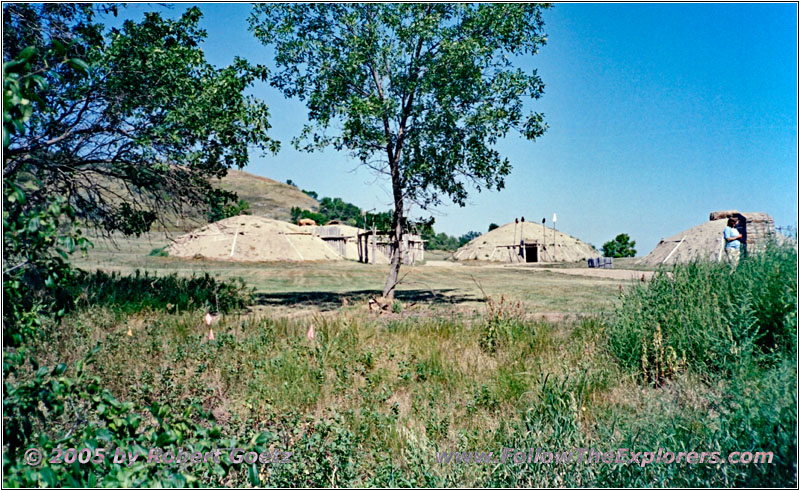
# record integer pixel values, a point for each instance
(442, 264)
(612, 274)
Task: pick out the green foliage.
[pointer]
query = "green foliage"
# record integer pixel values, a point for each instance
(171, 293)
(444, 242)
(36, 246)
(49, 408)
(298, 213)
(621, 246)
(159, 252)
(347, 213)
(397, 307)
(493, 226)
(502, 316)
(129, 125)
(337, 209)
(108, 131)
(380, 221)
(222, 211)
(468, 237)
(441, 74)
(716, 317)
(39, 231)
(369, 404)
(440, 241)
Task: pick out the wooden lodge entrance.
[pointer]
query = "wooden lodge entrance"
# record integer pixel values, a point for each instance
(531, 253)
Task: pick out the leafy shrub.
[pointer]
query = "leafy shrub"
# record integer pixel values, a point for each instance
(60, 408)
(48, 408)
(756, 413)
(326, 456)
(37, 240)
(227, 207)
(159, 252)
(713, 315)
(139, 291)
(621, 246)
(502, 316)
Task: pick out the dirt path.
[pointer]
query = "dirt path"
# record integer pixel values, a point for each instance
(443, 264)
(612, 274)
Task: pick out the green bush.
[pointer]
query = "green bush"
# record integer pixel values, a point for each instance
(709, 317)
(159, 252)
(222, 209)
(139, 291)
(756, 413)
(48, 408)
(37, 241)
(620, 246)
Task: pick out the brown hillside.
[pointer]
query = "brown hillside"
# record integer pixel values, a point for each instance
(267, 198)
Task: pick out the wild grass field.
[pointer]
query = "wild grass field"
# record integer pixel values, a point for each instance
(703, 359)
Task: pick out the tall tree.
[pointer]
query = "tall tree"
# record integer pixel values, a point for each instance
(418, 92)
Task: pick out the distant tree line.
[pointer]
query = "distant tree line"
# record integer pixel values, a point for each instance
(346, 213)
(350, 214)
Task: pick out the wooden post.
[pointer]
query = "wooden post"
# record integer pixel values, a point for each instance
(544, 238)
(374, 242)
(514, 239)
(358, 243)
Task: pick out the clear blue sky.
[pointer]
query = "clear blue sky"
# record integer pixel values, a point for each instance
(658, 114)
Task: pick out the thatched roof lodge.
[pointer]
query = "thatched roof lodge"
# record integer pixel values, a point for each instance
(522, 241)
(705, 242)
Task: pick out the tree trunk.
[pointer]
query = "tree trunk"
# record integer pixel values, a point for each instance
(397, 235)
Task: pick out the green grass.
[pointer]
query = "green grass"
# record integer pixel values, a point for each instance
(395, 392)
(141, 291)
(372, 398)
(710, 317)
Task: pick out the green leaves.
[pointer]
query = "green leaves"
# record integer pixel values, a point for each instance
(140, 110)
(429, 89)
(66, 408)
(621, 246)
(79, 65)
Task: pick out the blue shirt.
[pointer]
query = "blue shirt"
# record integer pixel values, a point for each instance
(728, 233)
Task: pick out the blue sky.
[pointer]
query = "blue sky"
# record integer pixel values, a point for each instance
(658, 114)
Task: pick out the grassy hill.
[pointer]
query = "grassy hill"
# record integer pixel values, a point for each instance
(267, 198)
